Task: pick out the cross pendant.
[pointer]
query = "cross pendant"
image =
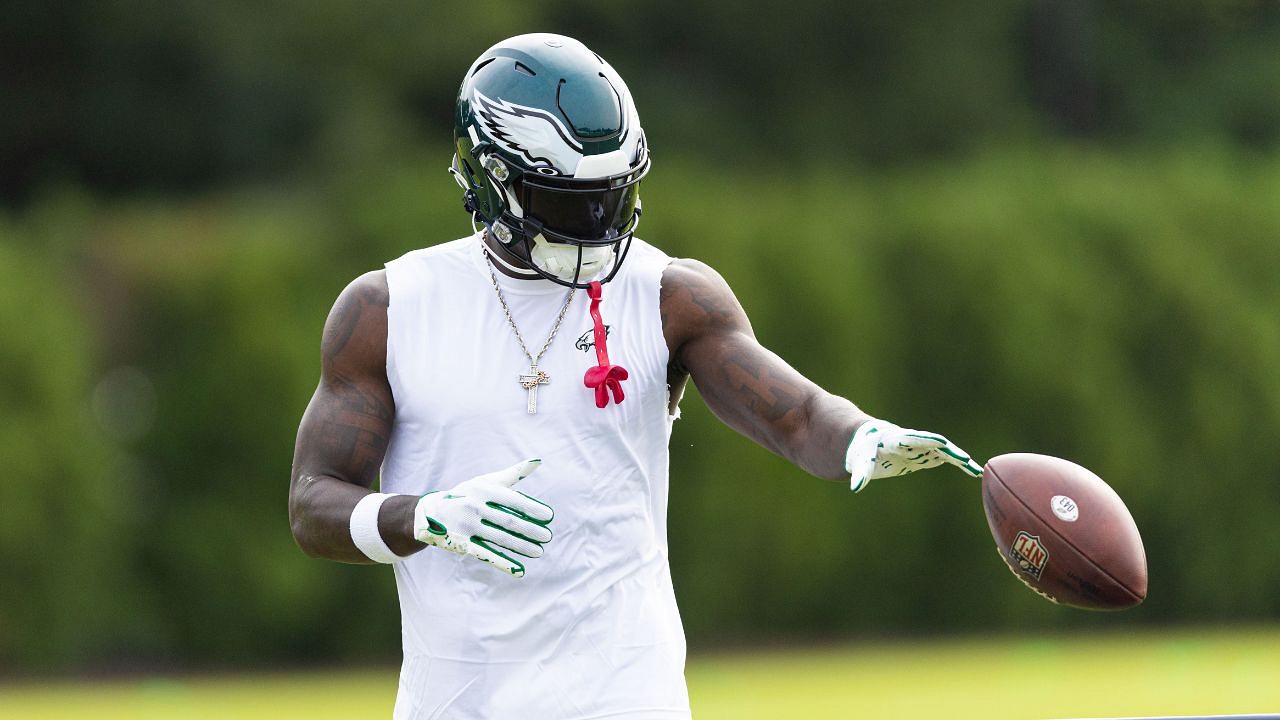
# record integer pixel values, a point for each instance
(530, 382)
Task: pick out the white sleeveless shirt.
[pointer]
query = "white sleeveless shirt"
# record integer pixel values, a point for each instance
(592, 630)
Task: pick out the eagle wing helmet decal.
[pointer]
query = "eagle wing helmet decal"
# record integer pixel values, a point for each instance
(535, 134)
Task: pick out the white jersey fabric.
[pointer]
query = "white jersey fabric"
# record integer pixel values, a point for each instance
(592, 630)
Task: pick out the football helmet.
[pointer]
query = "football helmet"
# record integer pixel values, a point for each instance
(549, 153)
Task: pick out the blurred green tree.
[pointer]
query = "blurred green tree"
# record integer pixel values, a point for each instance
(1046, 226)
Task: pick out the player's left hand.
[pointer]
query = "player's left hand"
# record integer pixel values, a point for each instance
(881, 449)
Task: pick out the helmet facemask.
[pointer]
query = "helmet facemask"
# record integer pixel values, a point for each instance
(569, 230)
(577, 230)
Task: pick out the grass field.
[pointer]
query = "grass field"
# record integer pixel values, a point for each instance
(1182, 673)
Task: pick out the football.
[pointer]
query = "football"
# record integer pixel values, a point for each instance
(1064, 532)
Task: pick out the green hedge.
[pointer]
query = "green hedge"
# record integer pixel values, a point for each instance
(1116, 309)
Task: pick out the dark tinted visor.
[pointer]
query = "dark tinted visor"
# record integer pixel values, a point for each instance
(588, 215)
(585, 211)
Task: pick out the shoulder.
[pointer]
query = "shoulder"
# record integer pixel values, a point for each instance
(370, 287)
(367, 292)
(697, 304)
(684, 272)
(355, 334)
(693, 287)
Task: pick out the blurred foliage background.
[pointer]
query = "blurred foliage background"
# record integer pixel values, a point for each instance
(1045, 226)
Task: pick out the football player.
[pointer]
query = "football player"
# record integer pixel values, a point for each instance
(453, 374)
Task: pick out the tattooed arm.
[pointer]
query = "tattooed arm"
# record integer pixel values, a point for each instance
(344, 432)
(748, 387)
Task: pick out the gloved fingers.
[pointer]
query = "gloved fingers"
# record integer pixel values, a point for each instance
(919, 441)
(913, 458)
(932, 449)
(481, 550)
(499, 539)
(507, 477)
(910, 450)
(518, 504)
(860, 458)
(860, 466)
(516, 525)
(953, 454)
(863, 449)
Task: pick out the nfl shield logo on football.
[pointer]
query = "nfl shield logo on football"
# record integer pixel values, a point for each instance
(1029, 554)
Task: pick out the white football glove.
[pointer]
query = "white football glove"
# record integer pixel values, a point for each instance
(881, 449)
(484, 518)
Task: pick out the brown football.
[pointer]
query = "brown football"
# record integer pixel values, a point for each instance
(1064, 532)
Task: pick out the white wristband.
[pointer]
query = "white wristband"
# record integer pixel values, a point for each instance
(364, 529)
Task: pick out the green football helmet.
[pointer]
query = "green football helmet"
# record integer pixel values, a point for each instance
(549, 153)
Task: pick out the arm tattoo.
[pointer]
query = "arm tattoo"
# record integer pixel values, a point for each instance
(742, 383)
(748, 387)
(346, 429)
(768, 398)
(354, 431)
(355, 419)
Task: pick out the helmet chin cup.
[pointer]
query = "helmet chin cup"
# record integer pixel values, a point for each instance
(563, 259)
(570, 263)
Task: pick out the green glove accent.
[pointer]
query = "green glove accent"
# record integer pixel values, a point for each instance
(881, 449)
(484, 518)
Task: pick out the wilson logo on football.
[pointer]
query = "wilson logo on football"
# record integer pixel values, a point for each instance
(1029, 554)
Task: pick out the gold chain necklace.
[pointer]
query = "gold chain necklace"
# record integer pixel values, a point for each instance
(536, 376)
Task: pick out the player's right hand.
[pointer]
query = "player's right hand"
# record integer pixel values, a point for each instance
(484, 518)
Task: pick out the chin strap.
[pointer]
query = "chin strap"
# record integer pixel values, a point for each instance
(603, 378)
